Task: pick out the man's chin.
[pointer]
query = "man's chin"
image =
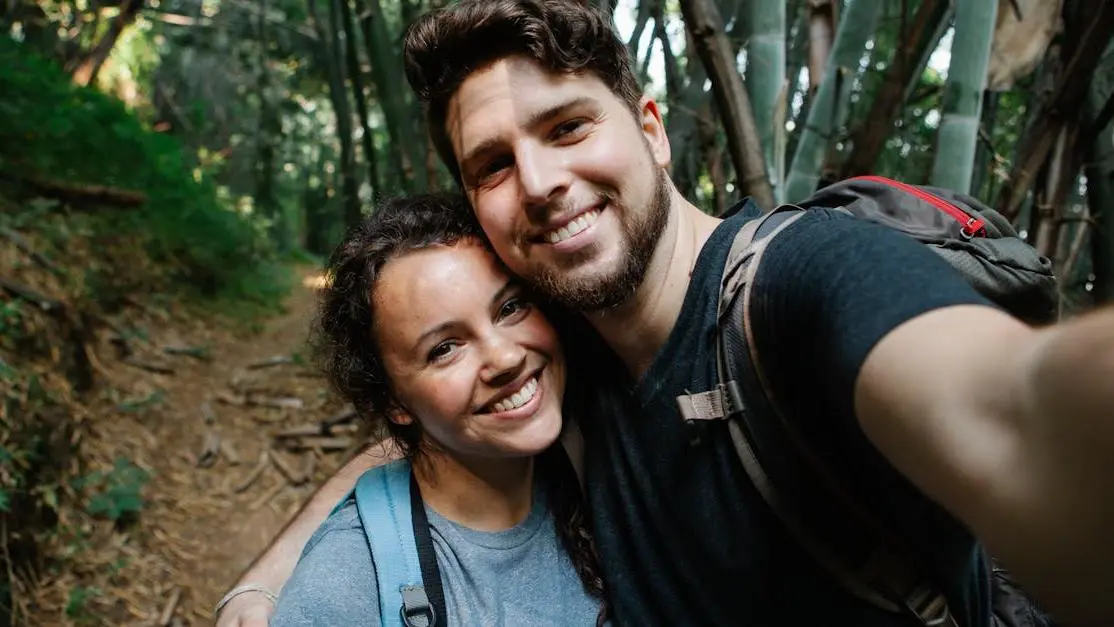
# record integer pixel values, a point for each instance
(585, 289)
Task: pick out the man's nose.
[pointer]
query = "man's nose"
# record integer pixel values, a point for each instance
(541, 174)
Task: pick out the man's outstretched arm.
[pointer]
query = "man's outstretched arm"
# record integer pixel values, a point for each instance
(1012, 430)
(273, 567)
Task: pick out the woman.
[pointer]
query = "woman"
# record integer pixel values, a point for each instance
(424, 331)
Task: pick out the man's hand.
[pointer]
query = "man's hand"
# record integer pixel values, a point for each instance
(250, 609)
(274, 566)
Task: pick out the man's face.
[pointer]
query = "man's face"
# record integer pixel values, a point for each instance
(567, 182)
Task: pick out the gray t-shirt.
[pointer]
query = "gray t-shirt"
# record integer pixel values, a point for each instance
(519, 576)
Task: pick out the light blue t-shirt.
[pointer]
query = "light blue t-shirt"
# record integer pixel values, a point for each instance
(519, 576)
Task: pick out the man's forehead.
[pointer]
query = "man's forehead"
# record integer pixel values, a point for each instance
(513, 90)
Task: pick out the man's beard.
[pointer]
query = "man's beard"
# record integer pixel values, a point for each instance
(641, 234)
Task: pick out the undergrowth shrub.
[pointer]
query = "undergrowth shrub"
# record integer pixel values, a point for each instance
(55, 130)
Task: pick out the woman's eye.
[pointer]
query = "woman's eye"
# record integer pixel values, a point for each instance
(441, 351)
(513, 307)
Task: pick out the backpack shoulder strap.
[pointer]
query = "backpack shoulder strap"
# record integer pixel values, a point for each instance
(384, 500)
(818, 511)
(726, 398)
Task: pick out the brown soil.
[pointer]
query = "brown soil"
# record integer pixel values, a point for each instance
(196, 531)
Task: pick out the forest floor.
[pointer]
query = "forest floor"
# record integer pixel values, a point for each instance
(223, 476)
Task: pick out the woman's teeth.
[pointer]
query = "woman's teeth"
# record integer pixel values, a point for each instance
(519, 398)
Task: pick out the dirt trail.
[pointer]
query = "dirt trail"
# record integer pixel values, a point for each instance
(200, 527)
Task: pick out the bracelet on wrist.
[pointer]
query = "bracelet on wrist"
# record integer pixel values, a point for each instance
(238, 590)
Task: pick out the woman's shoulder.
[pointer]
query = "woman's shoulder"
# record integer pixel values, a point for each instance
(334, 581)
(344, 519)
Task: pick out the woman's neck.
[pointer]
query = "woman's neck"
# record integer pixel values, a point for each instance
(482, 494)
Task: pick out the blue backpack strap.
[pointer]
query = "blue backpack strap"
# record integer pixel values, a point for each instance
(383, 502)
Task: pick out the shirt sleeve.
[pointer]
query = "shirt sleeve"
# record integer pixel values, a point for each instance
(828, 289)
(334, 581)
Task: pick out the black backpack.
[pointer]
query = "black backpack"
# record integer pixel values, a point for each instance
(840, 533)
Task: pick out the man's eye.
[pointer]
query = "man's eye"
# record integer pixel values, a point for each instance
(571, 127)
(493, 167)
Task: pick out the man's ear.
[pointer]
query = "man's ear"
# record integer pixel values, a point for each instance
(653, 129)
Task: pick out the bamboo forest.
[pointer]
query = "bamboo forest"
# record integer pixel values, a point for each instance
(174, 174)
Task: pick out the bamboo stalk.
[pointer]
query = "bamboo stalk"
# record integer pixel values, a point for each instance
(829, 106)
(957, 137)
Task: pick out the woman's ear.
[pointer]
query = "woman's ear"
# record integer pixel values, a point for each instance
(400, 416)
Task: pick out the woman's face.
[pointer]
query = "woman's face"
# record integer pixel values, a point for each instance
(469, 357)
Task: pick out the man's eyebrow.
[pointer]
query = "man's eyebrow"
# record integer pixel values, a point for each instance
(536, 119)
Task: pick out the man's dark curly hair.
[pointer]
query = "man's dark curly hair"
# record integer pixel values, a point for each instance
(443, 47)
(344, 343)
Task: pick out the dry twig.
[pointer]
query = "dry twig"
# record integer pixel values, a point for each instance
(277, 360)
(294, 478)
(25, 246)
(229, 453)
(280, 402)
(207, 413)
(171, 605)
(210, 449)
(323, 443)
(260, 466)
(148, 366)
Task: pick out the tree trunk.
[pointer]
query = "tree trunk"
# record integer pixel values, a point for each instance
(645, 9)
(1048, 213)
(959, 126)
(829, 106)
(88, 68)
(339, 95)
(682, 126)
(823, 15)
(1099, 169)
(1100, 198)
(390, 86)
(703, 20)
(267, 133)
(712, 154)
(1087, 38)
(868, 140)
(765, 82)
(982, 181)
(356, 75)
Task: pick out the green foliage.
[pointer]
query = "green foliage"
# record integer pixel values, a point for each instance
(117, 494)
(76, 603)
(74, 135)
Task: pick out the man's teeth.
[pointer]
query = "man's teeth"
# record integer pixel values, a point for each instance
(519, 398)
(572, 228)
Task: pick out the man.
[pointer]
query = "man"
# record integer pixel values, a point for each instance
(948, 414)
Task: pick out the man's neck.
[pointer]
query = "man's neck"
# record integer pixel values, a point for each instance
(637, 329)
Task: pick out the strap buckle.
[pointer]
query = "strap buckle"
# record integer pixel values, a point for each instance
(722, 401)
(416, 610)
